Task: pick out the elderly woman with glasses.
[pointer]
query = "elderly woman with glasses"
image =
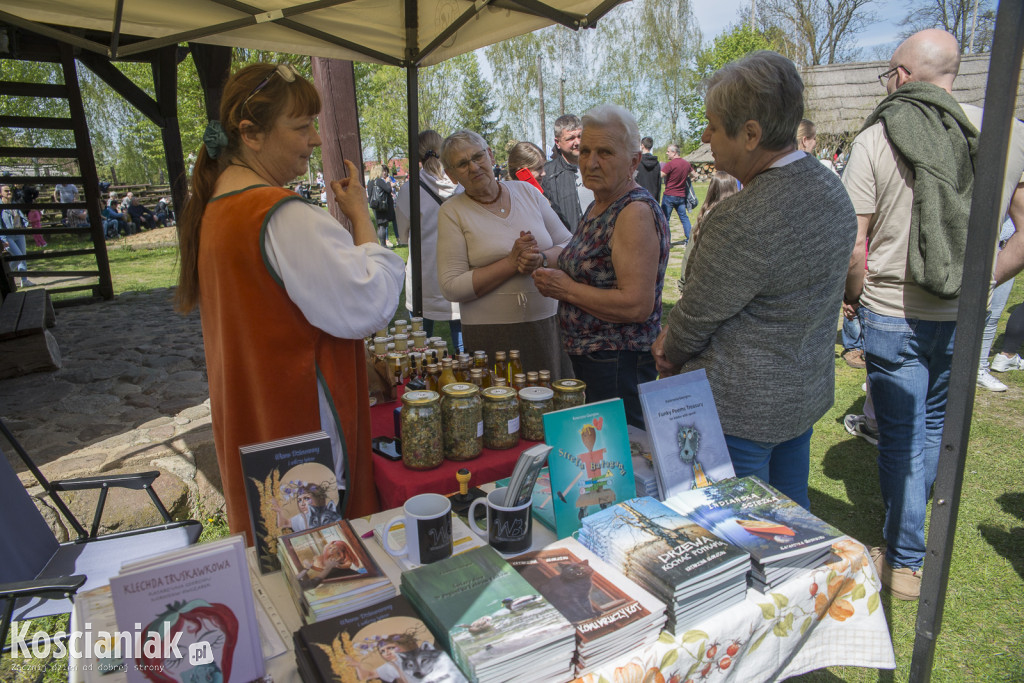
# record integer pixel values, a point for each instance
(490, 238)
(766, 276)
(286, 293)
(609, 278)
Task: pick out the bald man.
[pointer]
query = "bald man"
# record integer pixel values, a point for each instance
(910, 177)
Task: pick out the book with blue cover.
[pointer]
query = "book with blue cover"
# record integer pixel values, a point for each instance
(754, 516)
(590, 463)
(686, 435)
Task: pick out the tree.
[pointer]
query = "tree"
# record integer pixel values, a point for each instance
(380, 96)
(514, 67)
(727, 47)
(957, 17)
(474, 109)
(819, 31)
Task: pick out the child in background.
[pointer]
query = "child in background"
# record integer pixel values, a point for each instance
(722, 185)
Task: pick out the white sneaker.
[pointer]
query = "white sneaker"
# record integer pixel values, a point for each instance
(858, 426)
(1001, 363)
(987, 381)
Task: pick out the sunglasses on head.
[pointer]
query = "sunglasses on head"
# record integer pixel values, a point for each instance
(285, 71)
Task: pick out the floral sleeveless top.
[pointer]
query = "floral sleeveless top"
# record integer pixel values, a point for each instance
(588, 259)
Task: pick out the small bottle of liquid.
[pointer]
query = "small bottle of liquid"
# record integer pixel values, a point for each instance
(544, 378)
(501, 365)
(519, 381)
(531, 379)
(447, 374)
(515, 364)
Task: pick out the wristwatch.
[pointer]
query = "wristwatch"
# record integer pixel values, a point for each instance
(544, 263)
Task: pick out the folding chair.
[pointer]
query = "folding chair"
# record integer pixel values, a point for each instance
(38, 575)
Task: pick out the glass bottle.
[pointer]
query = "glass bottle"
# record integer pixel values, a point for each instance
(432, 375)
(501, 366)
(500, 382)
(531, 379)
(533, 403)
(544, 378)
(421, 430)
(515, 364)
(447, 375)
(463, 362)
(462, 423)
(501, 418)
(519, 381)
(476, 376)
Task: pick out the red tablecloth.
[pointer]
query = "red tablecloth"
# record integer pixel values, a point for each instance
(396, 483)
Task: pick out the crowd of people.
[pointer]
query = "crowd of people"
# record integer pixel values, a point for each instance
(565, 259)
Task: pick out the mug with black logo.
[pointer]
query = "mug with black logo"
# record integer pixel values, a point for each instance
(509, 529)
(428, 529)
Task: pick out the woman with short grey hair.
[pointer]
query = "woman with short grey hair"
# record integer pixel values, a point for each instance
(609, 277)
(489, 239)
(765, 278)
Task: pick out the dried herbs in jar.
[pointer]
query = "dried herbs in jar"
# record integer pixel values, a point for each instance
(533, 403)
(421, 430)
(501, 418)
(569, 393)
(462, 421)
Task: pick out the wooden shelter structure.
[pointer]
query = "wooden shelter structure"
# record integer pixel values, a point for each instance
(839, 97)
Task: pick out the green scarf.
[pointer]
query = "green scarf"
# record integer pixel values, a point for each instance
(930, 131)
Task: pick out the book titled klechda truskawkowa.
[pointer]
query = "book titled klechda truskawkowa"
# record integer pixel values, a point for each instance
(195, 608)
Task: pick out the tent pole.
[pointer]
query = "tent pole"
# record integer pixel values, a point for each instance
(412, 95)
(983, 228)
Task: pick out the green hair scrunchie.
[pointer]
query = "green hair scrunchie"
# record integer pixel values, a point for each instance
(215, 139)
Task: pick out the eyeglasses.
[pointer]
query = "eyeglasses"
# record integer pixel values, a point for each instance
(884, 77)
(285, 71)
(480, 159)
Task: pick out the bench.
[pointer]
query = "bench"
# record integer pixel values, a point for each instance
(25, 343)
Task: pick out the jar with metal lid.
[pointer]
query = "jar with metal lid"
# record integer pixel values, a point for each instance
(533, 403)
(401, 342)
(416, 324)
(401, 326)
(462, 421)
(501, 417)
(380, 346)
(500, 382)
(519, 381)
(419, 340)
(569, 393)
(544, 378)
(421, 430)
(531, 378)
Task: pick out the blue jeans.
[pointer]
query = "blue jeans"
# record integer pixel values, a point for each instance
(908, 372)
(454, 327)
(995, 309)
(616, 374)
(16, 245)
(677, 204)
(853, 335)
(784, 465)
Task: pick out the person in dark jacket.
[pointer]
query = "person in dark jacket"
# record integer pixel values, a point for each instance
(562, 184)
(648, 173)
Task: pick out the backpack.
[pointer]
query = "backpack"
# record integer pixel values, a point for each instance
(378, 199)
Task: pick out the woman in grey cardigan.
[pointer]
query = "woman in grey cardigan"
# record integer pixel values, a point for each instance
(763, 286)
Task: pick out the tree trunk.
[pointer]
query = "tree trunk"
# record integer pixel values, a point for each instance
(339, 123)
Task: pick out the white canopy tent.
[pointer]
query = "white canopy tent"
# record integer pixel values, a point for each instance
(407, 33)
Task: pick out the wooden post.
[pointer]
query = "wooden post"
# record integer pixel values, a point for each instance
(213, 64)
(339, 123)
(165, 77)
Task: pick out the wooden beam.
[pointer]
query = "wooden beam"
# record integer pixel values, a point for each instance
(339, 123)
(123, 86)
(165, 77)
(36, 122)
(213, 64)
(21, 89)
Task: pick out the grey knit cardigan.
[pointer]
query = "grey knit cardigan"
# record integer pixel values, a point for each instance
(760, 304)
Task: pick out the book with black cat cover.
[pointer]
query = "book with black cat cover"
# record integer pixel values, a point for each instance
(384, 642)
(611, 613)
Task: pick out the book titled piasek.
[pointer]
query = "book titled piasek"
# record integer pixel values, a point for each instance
(290, 486)
(590, 463)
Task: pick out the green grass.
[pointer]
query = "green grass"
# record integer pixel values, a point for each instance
(982, 635)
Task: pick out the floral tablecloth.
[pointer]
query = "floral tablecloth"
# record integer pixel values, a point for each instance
(829, 616)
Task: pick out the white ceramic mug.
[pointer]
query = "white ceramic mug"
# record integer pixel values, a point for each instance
(428, 529)
(509, 529)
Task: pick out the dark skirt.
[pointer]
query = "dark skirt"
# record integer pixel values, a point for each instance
(539, 344)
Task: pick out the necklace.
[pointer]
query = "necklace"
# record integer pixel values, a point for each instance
(497, 199)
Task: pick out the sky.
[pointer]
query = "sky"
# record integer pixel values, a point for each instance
(714, 16)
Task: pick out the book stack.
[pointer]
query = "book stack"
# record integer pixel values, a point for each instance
(386, 642)
(690, 569)
(611, 614)
(491, 619)
(783, 539)
(197, 604)
(329, 572)
(688, 445)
